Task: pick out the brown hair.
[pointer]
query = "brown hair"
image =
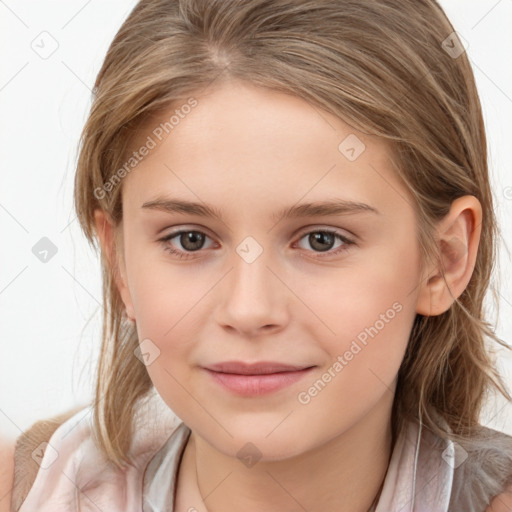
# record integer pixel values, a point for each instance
(379, 65)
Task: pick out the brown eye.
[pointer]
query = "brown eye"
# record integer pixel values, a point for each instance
(321, 240)
(190, 241)
(324, 240)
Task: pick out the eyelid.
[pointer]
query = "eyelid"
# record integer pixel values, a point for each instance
(318, 227)
(178, 231)
(303, 231)
(348, 241)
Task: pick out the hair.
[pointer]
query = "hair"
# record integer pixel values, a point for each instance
(380, 66)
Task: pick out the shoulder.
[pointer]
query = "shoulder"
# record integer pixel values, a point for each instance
(502, 502)
(28, 453)
(6, 472)
(70, 468)
(482, 478)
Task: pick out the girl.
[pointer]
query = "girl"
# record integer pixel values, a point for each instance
(297, 234)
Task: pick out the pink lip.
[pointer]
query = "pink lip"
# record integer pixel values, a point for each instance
(257, 378)
(259, 368)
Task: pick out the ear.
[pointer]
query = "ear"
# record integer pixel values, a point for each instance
(105, 229)
(458, 236)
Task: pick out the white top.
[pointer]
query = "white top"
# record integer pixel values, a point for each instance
(75, 477)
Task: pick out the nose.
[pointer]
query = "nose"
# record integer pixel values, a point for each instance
(253, 298)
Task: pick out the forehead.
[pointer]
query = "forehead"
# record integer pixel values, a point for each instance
(250, 115)
(247, 142)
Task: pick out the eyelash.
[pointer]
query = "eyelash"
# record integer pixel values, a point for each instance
(187, 255)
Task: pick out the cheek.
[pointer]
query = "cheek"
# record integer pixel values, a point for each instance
(164, 308)
(350, 299)
(371, 323)
(161, 292)
(163, 302)
(164, 315)
(366, 312)
(367, 308)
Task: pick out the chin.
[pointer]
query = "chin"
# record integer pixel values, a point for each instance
(251, 442)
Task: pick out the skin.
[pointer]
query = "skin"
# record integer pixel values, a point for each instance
(502, 502)
(6, 472)
(250, 152)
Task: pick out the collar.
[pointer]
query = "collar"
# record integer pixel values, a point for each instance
(419, 476)
(420, 472)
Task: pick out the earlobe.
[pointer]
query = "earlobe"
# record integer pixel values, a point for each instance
(105, 231)
(458, 236)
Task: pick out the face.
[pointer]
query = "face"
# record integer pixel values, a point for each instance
(332, 291)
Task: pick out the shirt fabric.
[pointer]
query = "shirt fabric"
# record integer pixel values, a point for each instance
(423, 473)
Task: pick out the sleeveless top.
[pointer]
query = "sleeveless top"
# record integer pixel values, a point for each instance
(425, 474)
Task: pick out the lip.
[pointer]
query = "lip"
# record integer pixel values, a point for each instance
(255, 379)
(258, 368)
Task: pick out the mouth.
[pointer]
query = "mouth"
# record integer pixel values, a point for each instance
(255, 379)
(259, 368)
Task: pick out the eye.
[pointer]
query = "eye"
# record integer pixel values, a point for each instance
(193, 241)
(190, 240)
(323, 240)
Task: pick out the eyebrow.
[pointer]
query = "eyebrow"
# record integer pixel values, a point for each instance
(316, 209)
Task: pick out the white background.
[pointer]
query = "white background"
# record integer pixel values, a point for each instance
(50, 313)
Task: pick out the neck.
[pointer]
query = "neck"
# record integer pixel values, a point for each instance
(345, 474)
